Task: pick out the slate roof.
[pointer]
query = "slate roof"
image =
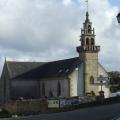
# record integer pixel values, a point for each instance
(53, 69)
(17, 68)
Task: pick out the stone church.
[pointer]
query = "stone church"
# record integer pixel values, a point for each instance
(76, 76)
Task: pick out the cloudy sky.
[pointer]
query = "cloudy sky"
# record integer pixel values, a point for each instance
(45, 30)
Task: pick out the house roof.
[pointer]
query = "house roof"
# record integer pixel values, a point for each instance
(17, 68)
(53, 69)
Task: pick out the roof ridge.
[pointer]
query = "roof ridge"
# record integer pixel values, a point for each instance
(40, 61)
(63, 59)
(24, 62)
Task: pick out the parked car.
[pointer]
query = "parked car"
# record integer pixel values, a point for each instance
(116, 94)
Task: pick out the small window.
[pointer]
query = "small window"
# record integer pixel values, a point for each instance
(92, 41)
(50, 94)
(76, 68)
(43, 89)
(91, 80)
(60, 70)
(58, 89)
(89, 29)
(87, 41)
(67, 70)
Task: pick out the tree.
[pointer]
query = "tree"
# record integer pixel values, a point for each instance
(114, 81)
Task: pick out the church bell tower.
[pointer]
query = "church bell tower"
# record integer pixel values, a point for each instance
(88, 53)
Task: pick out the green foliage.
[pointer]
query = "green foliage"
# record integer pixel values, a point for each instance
(4, 114)
(114, 74)
(114, 81)
(113, 89)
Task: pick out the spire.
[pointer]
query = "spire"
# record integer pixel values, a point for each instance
(5, 58)
(87, 17)
(87, 36)
(87, 13)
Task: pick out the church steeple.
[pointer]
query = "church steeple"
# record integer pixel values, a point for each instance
(87, 16)
(88, 37)
(88, 53)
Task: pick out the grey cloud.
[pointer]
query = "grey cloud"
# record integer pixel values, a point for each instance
(50, 30)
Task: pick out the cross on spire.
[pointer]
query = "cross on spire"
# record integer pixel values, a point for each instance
(87, 13)
(87, 5)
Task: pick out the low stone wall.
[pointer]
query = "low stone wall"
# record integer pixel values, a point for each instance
(31, 107)
(37, 106)
(11, 107)
(26, 107)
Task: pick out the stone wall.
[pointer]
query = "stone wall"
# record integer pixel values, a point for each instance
(32, 107)
(51, 85)
(28, 89)
(32, 89)
(26, 107)
(73, 83)
(10, 106)
(91, 70)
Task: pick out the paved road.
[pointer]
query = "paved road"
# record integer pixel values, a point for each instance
(107, 112)
(117, 119)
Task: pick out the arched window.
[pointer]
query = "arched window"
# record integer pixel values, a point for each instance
(50, 94)
(87, 41)
(58, 89)
(91, 80)
(89, 29)
(43, 89)
(92, 41)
